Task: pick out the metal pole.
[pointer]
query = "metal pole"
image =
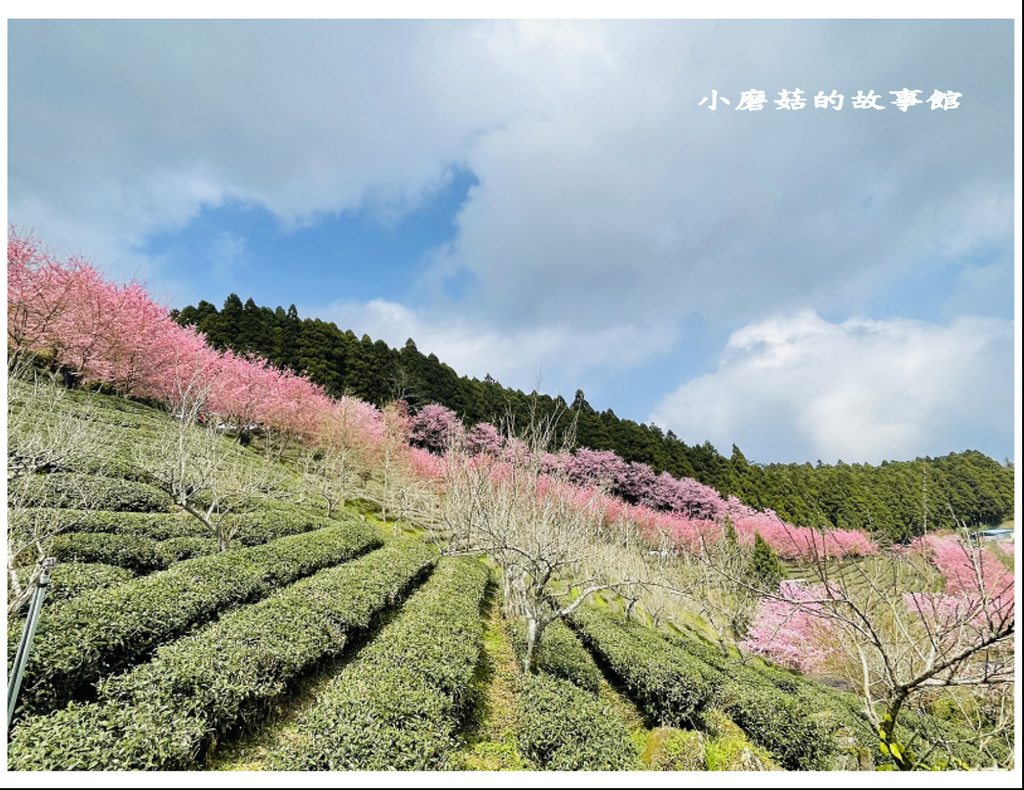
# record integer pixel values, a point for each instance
(25, 645)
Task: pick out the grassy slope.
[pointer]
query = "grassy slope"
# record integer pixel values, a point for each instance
(490, 726)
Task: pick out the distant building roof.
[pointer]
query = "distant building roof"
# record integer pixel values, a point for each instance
(995, 532)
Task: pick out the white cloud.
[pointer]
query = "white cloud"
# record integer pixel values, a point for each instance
(559, 355)
(610, 208)
(129, 128)
(604, 188)
(861, 390)
(623, 199)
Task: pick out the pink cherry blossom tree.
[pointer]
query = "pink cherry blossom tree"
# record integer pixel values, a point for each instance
(483, 438)
(435, 428)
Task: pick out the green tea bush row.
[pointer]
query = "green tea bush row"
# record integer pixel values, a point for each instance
(800, 727)
(181, 549)
(833, 710)
(799, 735)
(396, 707)
(674, 681)
(248, 529)
(562, 727)
(89, 492)
(785, 726)
(118, 464)
(139, 555)
(117, 412)
(670, 687)
(74, 578)
(162, 714)
(263, 526)
(112, 409)
(840, 710)
(560, 654)
(99, 633)
(158, 526)
(69, 579)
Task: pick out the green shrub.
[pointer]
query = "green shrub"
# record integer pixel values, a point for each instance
(808, 725)
(383, 721)
(73, 578)
(669, 686)
(158, 526)
(118, 464)
(199, 687)
(765, 568)
(179, 549)
(563, 728)
(396, 707)
(560, 654)
(139, 555)
(268, 523)
(674, 679)
(99, 633)
(90, 493)
(783, 725)
(69, 579)
(786, 725)
(93, 737)
(838, 711)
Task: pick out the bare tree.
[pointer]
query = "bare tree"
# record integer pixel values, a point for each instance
(401, 494)
(391, 480)
(405, 385)
(710, 590)
(986, 713)
(330, 470)
(48, 429)
(208, 477)
(547, 537)
(899, 642)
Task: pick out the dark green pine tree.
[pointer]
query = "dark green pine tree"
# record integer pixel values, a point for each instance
(222, 329)
(253, 333)
(765, 567)
(291, 329)
(194, 316)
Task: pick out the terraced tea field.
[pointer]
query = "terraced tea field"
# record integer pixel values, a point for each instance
(340, 643)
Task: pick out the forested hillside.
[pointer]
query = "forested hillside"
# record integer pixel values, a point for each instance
(898, 499)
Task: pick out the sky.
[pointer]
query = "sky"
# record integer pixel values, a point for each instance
(570, 205)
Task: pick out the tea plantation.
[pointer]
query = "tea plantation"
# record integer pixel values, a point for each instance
(344, 643)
